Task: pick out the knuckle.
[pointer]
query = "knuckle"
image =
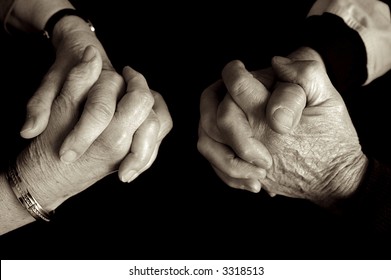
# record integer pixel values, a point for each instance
(310, 69)
(155, 123)
(296, 93)
(167, 125)
(113, 82)
(152, 123)
(224, 122)
(63, 103)
(99, 111)
(137, 76)
(201, 145)
(147, 98)
(311, 76)
(36, 104)
(233, 64)
(241, 86)
(117, 146)
(144, 97)
(141, 159)
(78, 74)
(244, 152)
(115, 78)
(234, 168)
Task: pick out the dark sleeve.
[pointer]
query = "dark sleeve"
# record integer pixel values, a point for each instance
(370, 206)
(5, 7)
(341, 48)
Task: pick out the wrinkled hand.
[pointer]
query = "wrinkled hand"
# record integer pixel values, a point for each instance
(238, 158)
(231, 150)
(132, 131)
(321, 158)
(100, 98)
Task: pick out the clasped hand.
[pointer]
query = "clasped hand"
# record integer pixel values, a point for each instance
(128, 143)
(284, 129)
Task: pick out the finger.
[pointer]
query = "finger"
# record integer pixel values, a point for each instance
(268, 190)
(39, 106)
(143, 146)
(132, 110)
(146, 145)
(163, 115)
(209, 103)
(76, 85)
(308, 74)
(237, 133)
(249, 93)
(251, 185)
(285, 107)
(148, 165)
(304, 85)
(100, 108)
(97, 113)
(223, 158)
(136, 104)
(251, 96)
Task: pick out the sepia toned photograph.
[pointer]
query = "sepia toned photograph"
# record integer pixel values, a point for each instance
(161, 130)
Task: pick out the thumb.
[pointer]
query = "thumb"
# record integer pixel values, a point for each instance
(302, 84)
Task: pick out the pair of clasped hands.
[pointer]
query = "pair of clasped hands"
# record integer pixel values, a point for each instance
(284, 129)
(87, 121)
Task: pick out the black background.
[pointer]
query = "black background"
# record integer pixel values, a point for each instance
(179, 208)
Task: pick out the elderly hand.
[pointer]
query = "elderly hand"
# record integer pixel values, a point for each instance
(70, 39)
(235, 154)
(140, 122)
(321, 158)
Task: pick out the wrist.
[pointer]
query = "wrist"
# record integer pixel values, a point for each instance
(7, 195)
(13, 214)
(35, 179)
(57, 17)
(69, 25)
(346, 182)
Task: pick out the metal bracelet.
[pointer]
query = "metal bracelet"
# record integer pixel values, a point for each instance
(24, 196)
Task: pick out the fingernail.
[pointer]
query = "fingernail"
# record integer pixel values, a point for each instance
(129, 176)
(284, 117)
(28, 125)
(69, 156)
(89, 54)
(282, 60)
(133, 177)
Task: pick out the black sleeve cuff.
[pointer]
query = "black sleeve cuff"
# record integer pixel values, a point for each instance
(341, 48)
(370, 206)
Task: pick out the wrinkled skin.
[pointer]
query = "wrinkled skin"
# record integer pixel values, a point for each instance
(320, 159)
(51, 180)
(70, 39)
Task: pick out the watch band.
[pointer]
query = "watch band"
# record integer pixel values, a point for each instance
(49, 26)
